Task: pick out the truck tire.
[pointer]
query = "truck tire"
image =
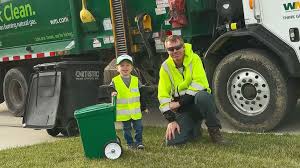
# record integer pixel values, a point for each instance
(71, 129)
(251, 90)
(15, 88)
(53, 132)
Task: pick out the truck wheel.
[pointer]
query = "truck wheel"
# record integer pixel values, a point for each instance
(251, 90)
(53, 132)
(71, 129)
(15, 88)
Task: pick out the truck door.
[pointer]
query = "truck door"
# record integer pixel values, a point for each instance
(282, 18)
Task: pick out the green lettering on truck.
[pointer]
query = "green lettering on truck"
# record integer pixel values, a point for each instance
(11, 12)
(22, 12)
(16, 13)
(7, 17)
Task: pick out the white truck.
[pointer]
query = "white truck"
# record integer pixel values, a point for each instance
(256, 79)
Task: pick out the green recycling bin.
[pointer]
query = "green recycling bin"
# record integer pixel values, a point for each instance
(97, 130)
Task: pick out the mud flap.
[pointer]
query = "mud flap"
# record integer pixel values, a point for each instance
(43, 100)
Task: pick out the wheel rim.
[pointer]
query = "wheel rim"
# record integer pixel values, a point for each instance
(16, 89)
(113, 150)
(248, 92)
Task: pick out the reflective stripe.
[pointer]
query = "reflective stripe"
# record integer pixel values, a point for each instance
(197, 86)
(190, 92)
(164, 108)
(181, 93)
(128, 101)
(165, 100)
(128, 112)
(166, 68)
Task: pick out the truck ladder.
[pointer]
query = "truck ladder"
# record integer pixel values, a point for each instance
(119, 25)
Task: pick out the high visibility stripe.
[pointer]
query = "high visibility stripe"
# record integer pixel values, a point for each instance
(52, 54)
(181, 93)
(128, 112)
(164, 108)
(191, 68)
(5, 59)
(128, 101)
(16, 58)
(40, 55)
(28, 56)
(190, 92)
(165, 100)
(197, 86)
(165, 66)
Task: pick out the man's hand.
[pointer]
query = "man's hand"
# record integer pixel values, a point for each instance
(174, 105)
(171, 128)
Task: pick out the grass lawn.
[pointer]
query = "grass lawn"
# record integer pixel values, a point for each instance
(247, 150)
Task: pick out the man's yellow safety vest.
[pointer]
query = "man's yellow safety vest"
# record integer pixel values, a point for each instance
(128, 99)
(173, 83)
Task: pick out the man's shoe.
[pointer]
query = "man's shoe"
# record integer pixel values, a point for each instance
(216, 136)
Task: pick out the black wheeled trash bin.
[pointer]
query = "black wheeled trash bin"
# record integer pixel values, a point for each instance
(57, 89)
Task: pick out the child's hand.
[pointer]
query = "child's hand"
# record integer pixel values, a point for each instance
(114, 93)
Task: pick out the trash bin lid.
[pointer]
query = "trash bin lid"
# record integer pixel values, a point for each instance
(97, 109)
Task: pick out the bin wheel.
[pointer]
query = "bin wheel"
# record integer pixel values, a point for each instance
(53, 132)
(112, 150)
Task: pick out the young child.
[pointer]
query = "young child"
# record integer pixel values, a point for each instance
(126, 88)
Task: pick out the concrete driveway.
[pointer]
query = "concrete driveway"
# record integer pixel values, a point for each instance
(13, 135)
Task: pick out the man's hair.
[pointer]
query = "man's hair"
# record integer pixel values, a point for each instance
(174, 39)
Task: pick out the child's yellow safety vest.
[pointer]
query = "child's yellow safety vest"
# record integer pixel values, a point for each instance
(128, 99)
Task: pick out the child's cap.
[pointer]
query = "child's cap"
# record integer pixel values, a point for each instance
(123, 57)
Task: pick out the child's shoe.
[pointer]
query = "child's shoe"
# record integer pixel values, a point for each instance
(130, 146)
(140, 147)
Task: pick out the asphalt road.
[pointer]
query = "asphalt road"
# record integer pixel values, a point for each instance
(13, 135)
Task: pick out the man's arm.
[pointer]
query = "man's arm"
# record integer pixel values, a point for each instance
(164, 95)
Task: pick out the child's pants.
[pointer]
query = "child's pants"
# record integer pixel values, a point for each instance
(138, 128)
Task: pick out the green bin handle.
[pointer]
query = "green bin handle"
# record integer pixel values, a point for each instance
(114, 100)
(113, 104)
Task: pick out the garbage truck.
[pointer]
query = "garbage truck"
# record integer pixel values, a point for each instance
(250, 48)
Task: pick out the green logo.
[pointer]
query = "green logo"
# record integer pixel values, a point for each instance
(292, 6)
(11, 12)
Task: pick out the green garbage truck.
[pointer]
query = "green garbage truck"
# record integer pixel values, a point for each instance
(250, 48)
